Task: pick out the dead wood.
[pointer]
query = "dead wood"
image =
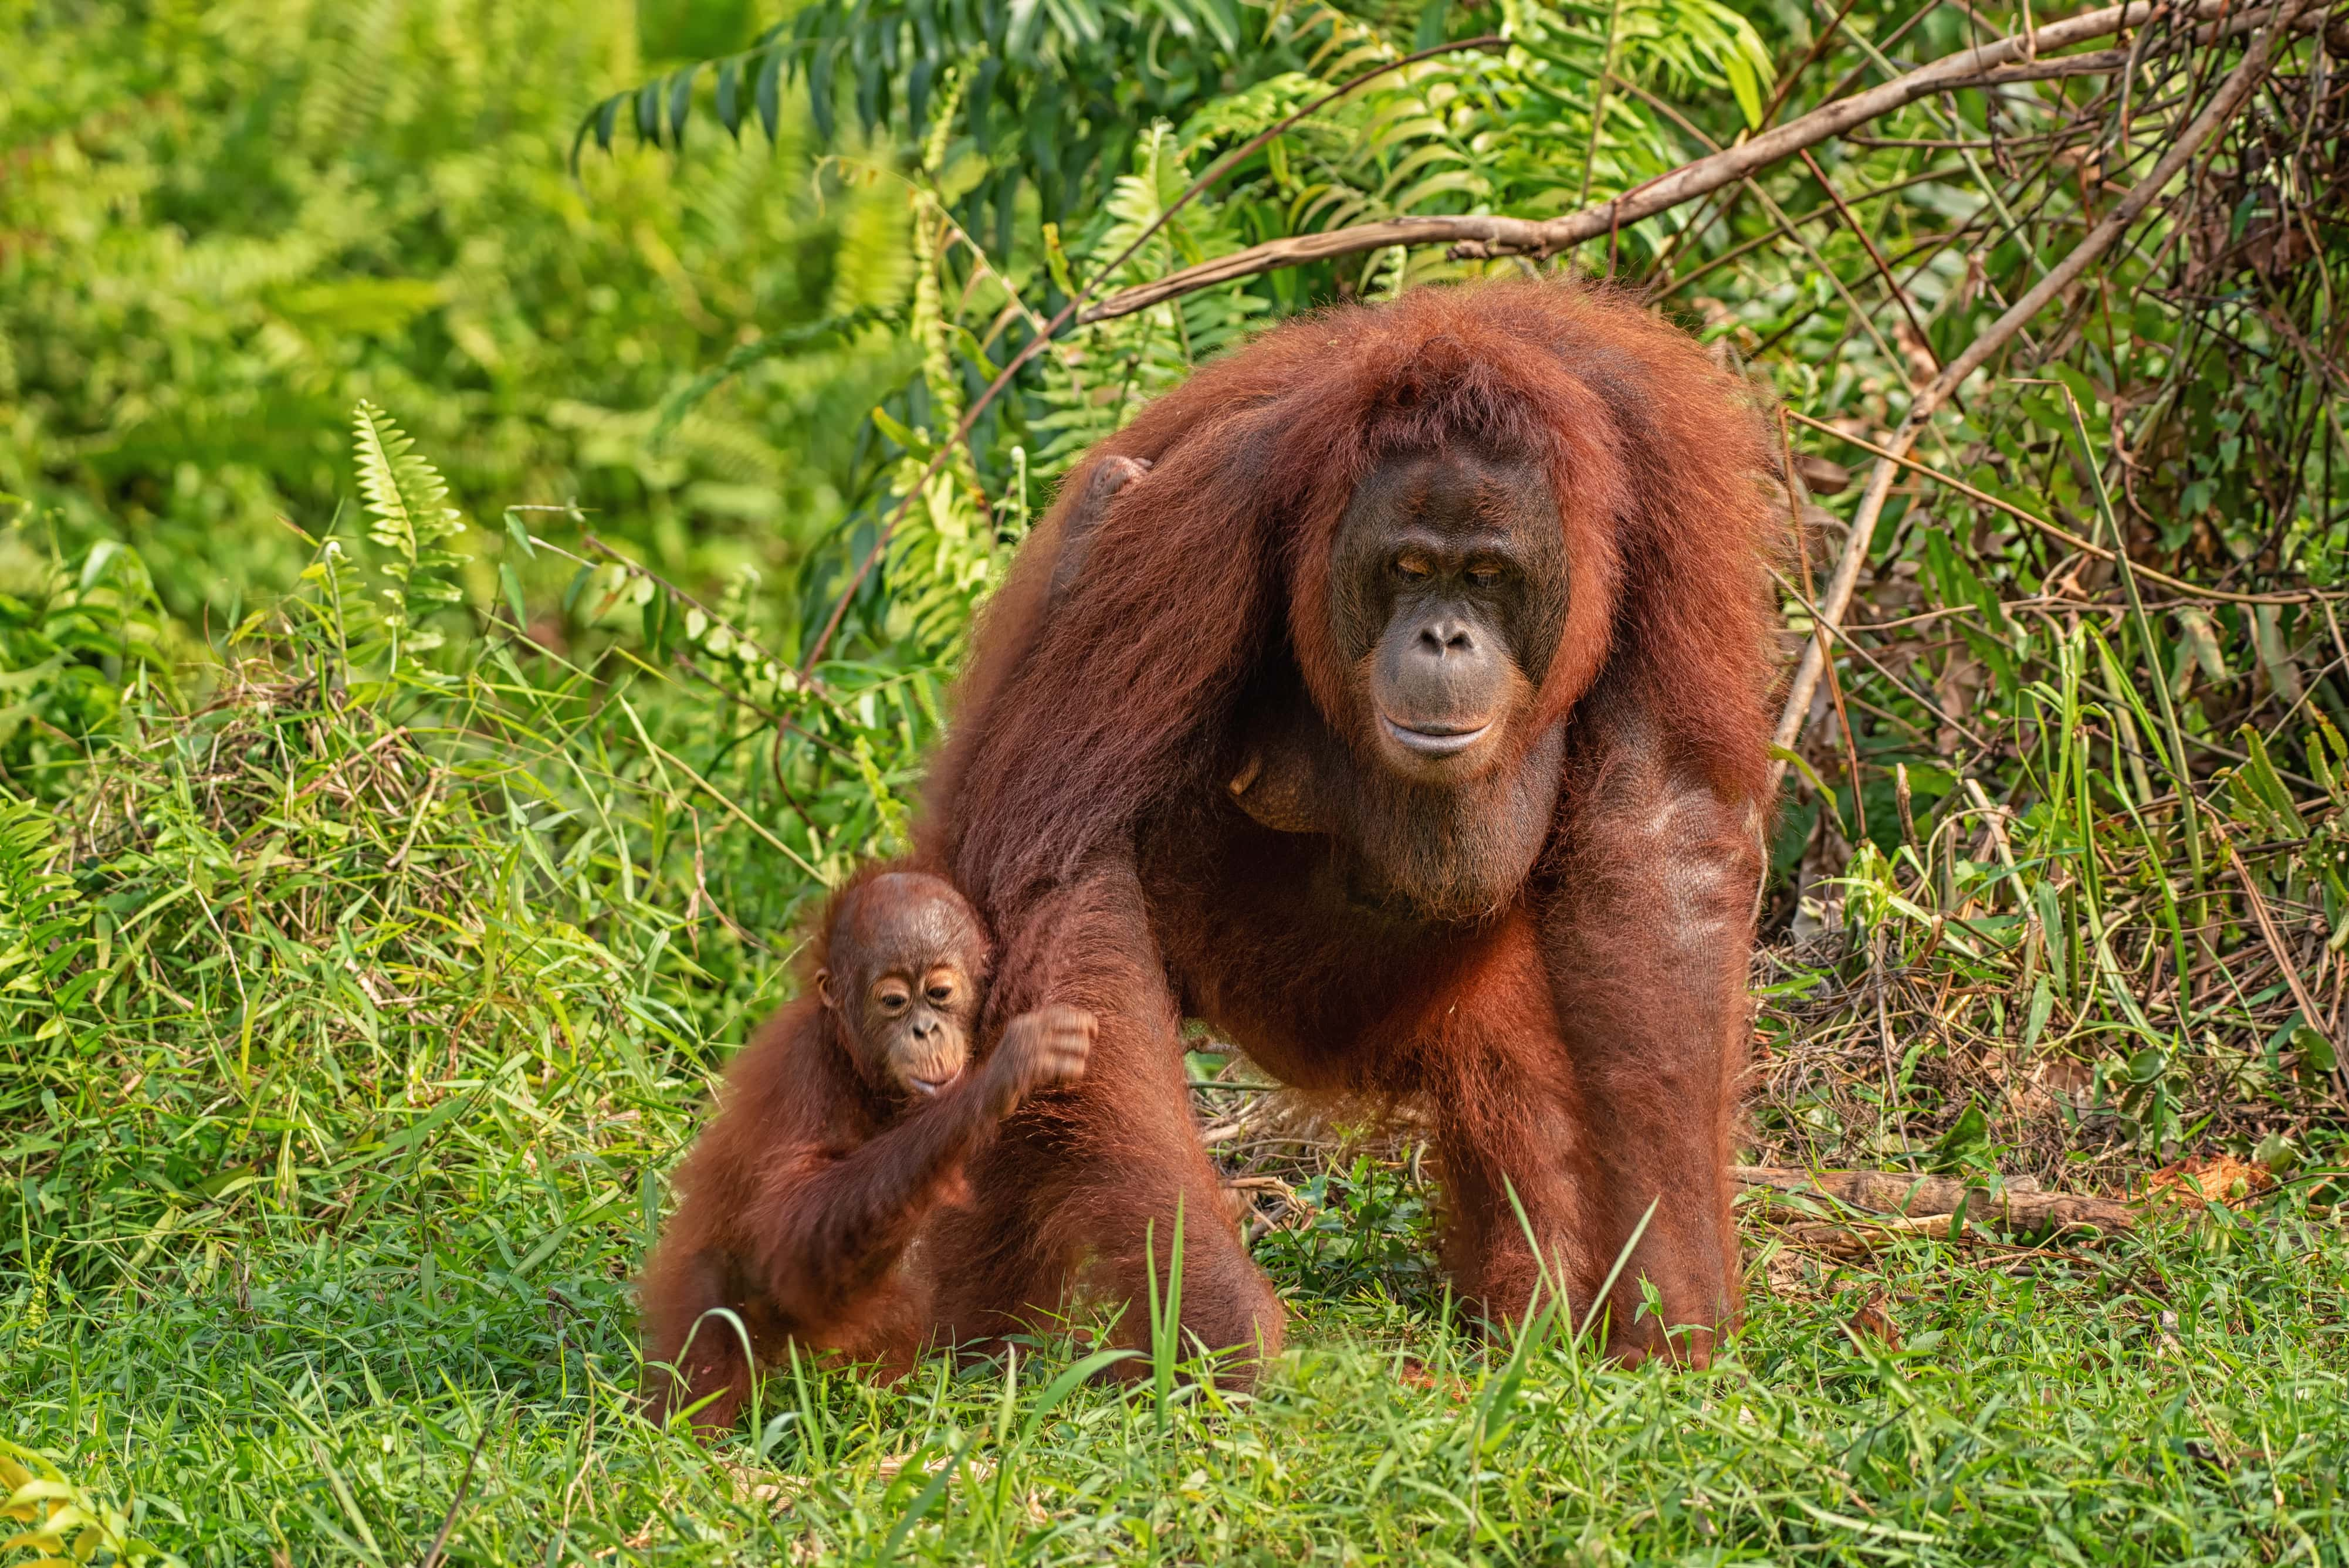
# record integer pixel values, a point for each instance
(1483, 236)
(2222, 106)
(1920, 1197)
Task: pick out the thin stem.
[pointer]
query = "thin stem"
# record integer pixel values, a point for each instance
(2180, 778)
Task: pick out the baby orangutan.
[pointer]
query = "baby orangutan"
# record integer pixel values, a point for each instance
(842, 1125)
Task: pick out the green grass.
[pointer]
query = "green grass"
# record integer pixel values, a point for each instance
(353, 1004)
(315, 1390)
(357, 994)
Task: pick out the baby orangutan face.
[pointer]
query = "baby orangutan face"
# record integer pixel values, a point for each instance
(908, 973)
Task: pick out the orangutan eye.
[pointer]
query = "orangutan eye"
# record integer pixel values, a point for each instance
(1412, 568)
(940, 995)
(1485, 576)
(892, 1000)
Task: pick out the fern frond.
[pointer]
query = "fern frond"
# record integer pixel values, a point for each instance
(407, 499)
(875, 264)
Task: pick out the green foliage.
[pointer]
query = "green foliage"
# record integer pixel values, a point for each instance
(409, 515)
(379, 896)
(362, 860)
(2177, 1397)
(1849, 293)
(75, 642)
(1106, 376)
(63, 1522)
(221, 225)
(1368, 1228)
(1052, 96)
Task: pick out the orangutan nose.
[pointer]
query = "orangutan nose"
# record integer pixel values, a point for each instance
(1440, 677)
(1446, 636)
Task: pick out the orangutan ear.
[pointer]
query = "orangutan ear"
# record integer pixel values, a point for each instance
(823, 988)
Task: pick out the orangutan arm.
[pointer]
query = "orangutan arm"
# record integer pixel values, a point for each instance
(832, 1231)
(1647, 936)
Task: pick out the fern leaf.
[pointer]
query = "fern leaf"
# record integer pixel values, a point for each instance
(407, 499)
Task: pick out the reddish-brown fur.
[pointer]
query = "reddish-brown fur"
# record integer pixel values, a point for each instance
(1578, 1039)
(806, 1196)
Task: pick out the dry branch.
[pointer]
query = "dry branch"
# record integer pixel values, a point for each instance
(2222, 108)
(1892, 1192)
(2310, 1016)
(2055, 532)
(1998, 63)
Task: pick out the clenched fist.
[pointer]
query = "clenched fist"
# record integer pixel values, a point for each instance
(1042, 1049)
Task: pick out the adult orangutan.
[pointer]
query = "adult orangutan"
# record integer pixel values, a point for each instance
(1391, 696)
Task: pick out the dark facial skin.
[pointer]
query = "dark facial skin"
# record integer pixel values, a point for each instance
(1448, 598)
(908, 966)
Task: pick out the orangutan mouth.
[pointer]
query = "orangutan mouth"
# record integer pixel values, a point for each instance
(1436, 737)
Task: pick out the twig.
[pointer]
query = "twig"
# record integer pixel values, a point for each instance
(1876, 257)
(2182, 775)
(715, 793)
(1663, 284)
(1903, 688)
(327, 776)
(464, 1483)
(1795, 498)
(1895, 1192)
(1994, 819)
(638, 569)
(1688, 234)
(1778, 215)
(2268, 933)
(2193, 591)
(1481, 236)
(2092, 247)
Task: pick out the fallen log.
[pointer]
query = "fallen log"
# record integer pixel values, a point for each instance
(1919, 1197)
(1864, 1238)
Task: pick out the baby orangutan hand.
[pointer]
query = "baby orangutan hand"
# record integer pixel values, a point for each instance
(1042, 1049)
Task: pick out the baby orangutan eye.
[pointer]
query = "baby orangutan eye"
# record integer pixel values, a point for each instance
(940, 995)
(893, 999)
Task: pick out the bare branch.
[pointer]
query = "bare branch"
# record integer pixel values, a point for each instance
(2092, 247)
(1902, 1192)
(2007, 60)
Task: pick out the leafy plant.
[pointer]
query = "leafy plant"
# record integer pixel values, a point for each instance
(1363, 1227)
(225, 225)
(408, 504)
(66, 1522)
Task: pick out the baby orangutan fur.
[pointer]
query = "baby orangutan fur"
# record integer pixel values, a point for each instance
(843, 1126)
